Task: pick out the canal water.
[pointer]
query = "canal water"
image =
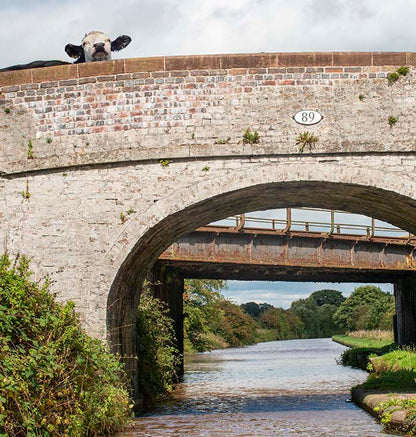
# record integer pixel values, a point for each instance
(281, 388)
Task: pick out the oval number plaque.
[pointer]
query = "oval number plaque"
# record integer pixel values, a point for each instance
(307, 117)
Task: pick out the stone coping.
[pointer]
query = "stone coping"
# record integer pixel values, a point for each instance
(207, 62)
(370, 399)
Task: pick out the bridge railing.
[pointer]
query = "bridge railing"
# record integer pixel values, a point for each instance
(330, 227)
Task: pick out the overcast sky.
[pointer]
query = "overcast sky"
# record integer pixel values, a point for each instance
(40, 29)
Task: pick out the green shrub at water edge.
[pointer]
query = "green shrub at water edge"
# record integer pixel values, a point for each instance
(157, 356)
(54, 379)
(357, 357)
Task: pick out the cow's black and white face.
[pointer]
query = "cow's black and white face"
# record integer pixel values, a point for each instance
(96, 46)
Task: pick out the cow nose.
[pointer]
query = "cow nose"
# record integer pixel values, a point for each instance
(99, 45)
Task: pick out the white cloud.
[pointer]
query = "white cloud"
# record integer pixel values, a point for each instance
(39, 29)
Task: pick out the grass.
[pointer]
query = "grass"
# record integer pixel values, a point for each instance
(392, 370)
(396, 381)
(400, 359)
(363, 342)
(375, 334)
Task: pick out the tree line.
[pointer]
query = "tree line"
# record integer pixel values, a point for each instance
(212, 321)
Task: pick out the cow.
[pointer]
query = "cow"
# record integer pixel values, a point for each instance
(95, 46)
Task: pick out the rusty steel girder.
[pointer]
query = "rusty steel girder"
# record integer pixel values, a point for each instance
(290, 251)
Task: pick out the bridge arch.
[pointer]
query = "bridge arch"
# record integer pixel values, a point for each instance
(85, 142)
(349, 187)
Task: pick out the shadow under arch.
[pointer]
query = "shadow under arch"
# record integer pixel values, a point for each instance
(380, 203)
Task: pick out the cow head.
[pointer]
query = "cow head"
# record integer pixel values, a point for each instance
(96, 46)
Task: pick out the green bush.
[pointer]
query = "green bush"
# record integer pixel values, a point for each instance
(357, 357)
(157, 356)
(54, 379)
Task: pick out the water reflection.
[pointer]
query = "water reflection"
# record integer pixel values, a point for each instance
(285, 388)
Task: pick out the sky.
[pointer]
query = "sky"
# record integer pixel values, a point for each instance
(40, 29)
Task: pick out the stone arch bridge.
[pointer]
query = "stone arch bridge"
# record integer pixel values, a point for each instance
(104, 165)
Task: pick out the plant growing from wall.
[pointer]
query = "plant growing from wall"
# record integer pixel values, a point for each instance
(403, 71)
(48, 140)
(26, 193)
(206, 168)
(164, 163)
(7, 110)
(394, 76)
(123, 217)
(392, 120)
(361, 97)
(306, 139)
(251, 137)
(223, 141)
(30, 150)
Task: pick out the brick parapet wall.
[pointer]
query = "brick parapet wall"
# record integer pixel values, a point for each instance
(200, 106)
(227, 61)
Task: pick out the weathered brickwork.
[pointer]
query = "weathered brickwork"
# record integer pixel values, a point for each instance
(81, 145)
(193, 112)
(157, 100)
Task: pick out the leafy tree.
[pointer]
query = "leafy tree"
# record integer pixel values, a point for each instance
(326, 327)
(211, 321)
(204, 291)
(275, 318)
(364, 309)
(254, 309)
(296, 326)
(264, 307)
(331, 297)
(307, 311)
(202, 316)
(237, 327)
(316, 313)
(286, 323)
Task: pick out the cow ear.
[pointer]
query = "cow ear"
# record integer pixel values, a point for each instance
(120, 43)
(73, 51)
